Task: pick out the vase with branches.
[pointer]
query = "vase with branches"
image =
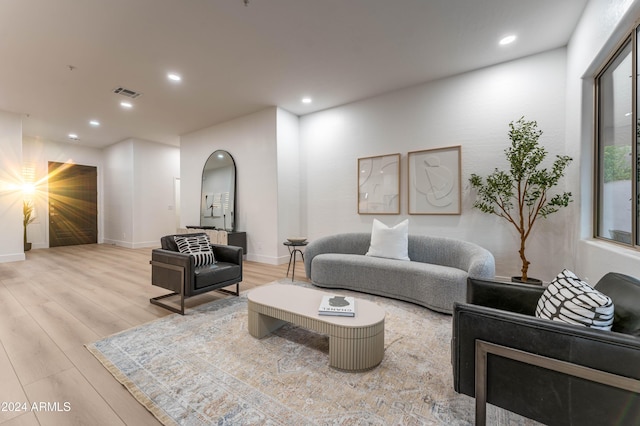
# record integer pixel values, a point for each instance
(522, 194)
(28, 217)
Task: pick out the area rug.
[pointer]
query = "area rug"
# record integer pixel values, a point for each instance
(204, 368)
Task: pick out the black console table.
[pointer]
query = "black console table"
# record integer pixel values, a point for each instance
(238, 239)
(234, 238)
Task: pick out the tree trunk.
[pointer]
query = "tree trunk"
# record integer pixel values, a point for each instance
(523, 258)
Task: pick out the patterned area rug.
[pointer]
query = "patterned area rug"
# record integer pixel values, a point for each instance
(204, 368)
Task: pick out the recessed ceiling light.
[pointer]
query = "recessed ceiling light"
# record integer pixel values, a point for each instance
(126, 105)
(507, 40)
(174, 77)
(73, 136)
(94, 123)
(306, 100)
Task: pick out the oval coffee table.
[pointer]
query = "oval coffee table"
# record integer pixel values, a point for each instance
(355, 343)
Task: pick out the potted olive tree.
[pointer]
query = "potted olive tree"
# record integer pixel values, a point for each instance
(521, 194)
(28, 217)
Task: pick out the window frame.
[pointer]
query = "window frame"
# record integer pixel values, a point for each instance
(598, 176)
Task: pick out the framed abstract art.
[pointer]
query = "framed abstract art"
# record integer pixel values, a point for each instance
(435, 181)
(379, 184)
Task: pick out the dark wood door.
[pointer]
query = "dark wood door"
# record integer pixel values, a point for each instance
(73, 204)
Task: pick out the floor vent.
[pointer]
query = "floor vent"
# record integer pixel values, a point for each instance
(126, 92)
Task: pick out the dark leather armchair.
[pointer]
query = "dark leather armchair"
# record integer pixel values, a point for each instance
(548, 371)
(175, 271)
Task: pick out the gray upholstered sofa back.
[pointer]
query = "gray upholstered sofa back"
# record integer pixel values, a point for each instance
(464, 255)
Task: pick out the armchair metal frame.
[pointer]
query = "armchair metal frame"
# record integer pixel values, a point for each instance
(157, 300)
(484, 349)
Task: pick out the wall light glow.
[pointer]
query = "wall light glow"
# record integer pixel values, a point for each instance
(28, 188)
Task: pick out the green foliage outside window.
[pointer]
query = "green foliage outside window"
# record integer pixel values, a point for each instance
(617, 163)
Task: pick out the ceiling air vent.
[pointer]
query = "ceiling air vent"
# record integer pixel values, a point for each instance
(126, 92)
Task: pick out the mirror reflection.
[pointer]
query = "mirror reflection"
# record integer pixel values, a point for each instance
(218, 204)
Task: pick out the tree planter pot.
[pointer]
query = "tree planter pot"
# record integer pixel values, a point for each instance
(27, 246)
(533, 281)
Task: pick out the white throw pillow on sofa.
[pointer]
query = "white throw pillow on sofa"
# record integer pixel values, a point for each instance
(389, 242)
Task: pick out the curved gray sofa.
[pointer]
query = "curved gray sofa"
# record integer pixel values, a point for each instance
(435, 278)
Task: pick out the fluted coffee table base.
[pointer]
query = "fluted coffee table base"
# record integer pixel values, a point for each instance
(355, 343)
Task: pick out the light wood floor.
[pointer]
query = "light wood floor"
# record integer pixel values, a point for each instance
(62, 298)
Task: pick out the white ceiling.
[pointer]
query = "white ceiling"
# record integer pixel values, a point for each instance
(237, 60)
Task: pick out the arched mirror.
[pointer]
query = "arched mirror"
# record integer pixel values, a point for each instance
(218, 204)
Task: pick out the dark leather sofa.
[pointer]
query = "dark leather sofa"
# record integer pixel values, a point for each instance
(523, 378)
(175, 271)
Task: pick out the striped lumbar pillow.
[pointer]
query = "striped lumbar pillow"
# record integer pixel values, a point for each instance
(571, 300)
(198, 246)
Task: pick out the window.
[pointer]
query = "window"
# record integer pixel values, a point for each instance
(616, 154)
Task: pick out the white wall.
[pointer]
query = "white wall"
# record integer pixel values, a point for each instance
(603, 25)
(155, 168)
(11, 229)
(139, 192)
(119, 192)
(472, 110)
(38, 153)
(289, 177)
(251, 141)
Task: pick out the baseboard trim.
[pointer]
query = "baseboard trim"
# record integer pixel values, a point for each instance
(129, 244)
(270, 260)
(147, 244)
(15, 257)
(125, 244)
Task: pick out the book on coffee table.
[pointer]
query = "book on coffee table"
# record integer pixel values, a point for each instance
(337, 305)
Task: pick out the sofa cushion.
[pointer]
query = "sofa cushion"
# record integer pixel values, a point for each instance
(215, 273)
(429, 285)
(625, 293)
(389, 242)
(198, 246)
(571, 300)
